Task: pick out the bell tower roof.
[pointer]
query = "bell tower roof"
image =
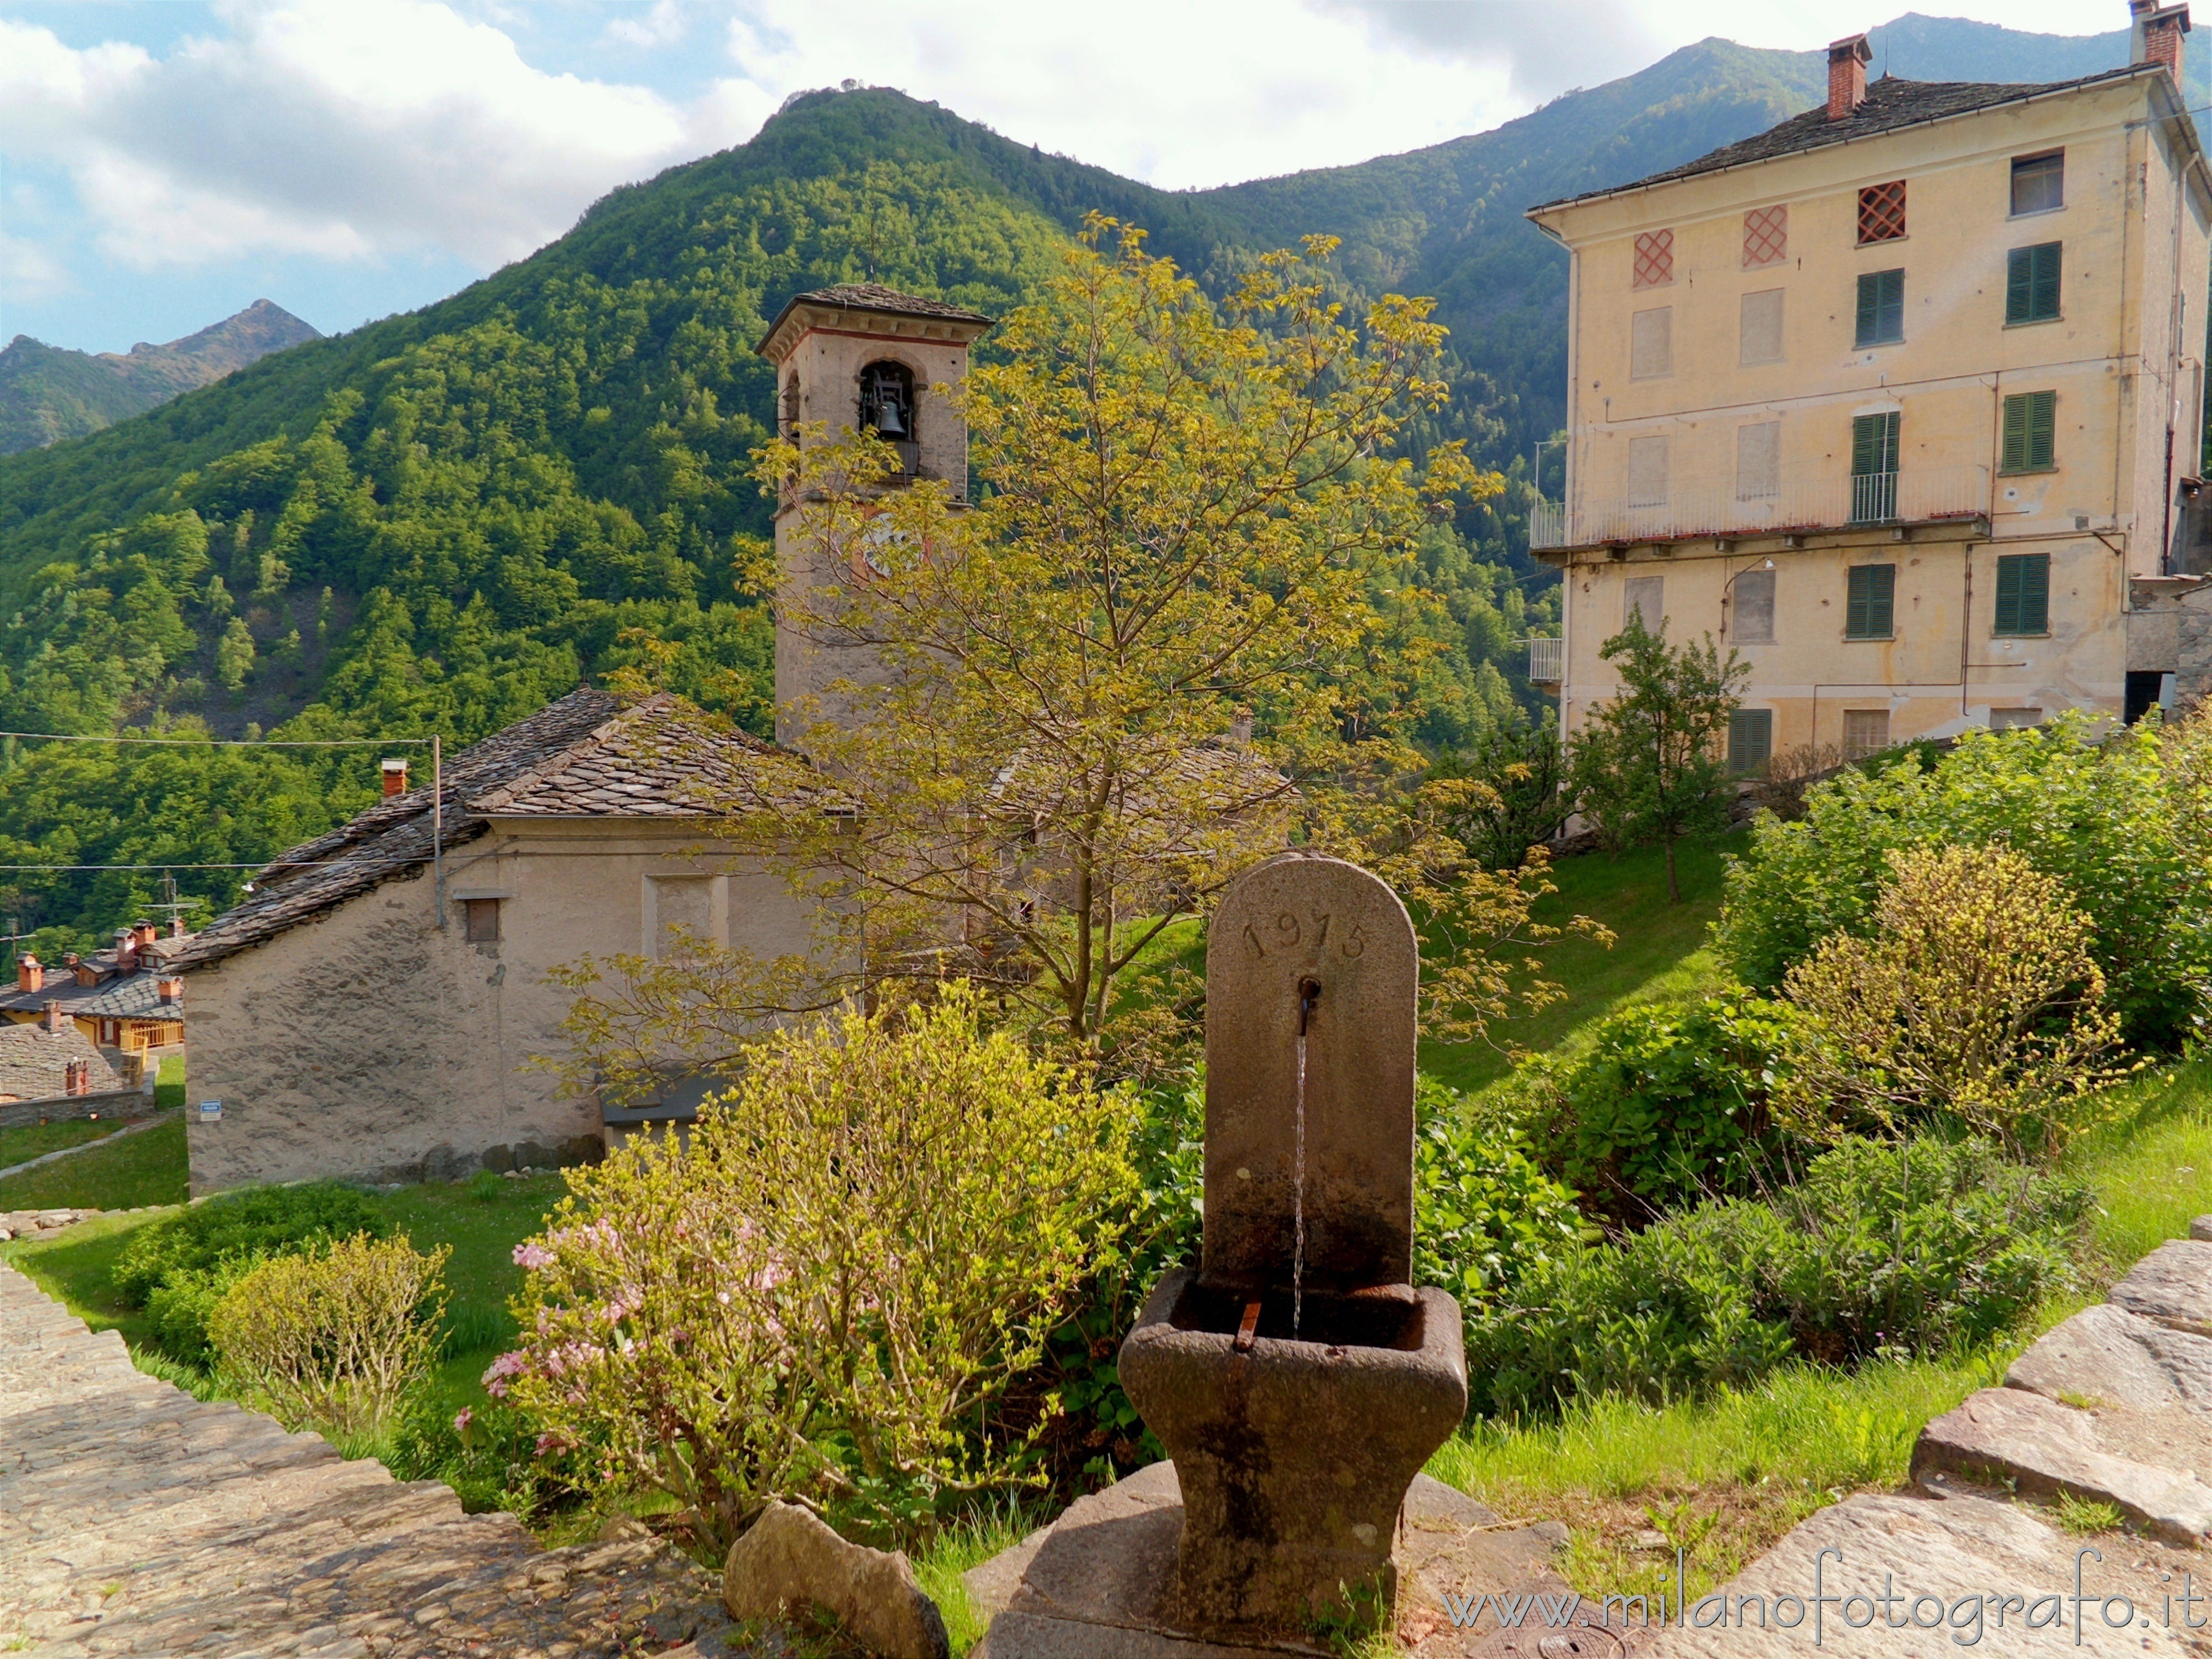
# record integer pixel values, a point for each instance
(868, 309)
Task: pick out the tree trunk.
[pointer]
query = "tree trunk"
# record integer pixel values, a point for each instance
(1674, 887)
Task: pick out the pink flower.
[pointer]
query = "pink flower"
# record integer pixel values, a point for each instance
(463, 1418)
(531, 1254)
(506, 1365)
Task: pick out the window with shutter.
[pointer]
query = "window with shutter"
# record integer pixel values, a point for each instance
(2023, 593)
(1881, 309)
(2031, 421)
(1645, 597)
(1647, 471)
(1760, 318)
(1753, 619)
(1654, 265)
(2039, 182)
(1882, 212)
(1766, 236)
(2031, 283)
(1866, 731)
(1751, 741)
(1870, 602)
(1651, 343)
(1873, 467)
(1758, 461)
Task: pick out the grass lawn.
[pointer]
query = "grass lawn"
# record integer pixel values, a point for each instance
(140, 1168)
(29, 1140)
(1658, 955)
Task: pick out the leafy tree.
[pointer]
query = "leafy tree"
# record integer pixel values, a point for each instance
(1648, 765)
(1523, 771)
(233, 657)
(1186, 511)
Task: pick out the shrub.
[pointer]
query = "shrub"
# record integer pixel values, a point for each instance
(180, 1307)
(1523, 773)
(1667, 1104)
(1908, 1247)
(1485, 1214)
(1779, 785)
(1976, 1000)
(825, 1293)
(334, 1338)
(242, 1226)
(2096, 815)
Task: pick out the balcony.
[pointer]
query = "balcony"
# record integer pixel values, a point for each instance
(1546, 661)
(1798, 507)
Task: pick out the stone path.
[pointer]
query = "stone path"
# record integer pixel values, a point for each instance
(136, 1519)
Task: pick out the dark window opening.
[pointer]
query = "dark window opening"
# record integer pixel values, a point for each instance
(2031, 283)
(1882, 212)
(787, 413)
(480, 918)
(2031, 419)
(2144, 690)
(887, 410)
(1881, 308)
(2039, 182)
(2023, 593)
(1870, 602)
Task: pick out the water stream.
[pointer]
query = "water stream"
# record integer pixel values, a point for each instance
(1298, 1198)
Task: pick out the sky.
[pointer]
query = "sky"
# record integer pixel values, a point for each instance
(163, 163)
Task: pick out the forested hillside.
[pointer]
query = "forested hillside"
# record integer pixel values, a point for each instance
(443, 519)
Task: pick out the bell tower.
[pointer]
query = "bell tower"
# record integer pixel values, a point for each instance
(858, 356)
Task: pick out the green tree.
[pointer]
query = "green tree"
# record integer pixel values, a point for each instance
(1648, 765)
(233, 657)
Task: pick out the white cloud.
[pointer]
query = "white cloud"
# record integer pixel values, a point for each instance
(345, 129)
(663, 24)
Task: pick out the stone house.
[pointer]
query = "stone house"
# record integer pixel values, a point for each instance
(123, 1000)
(1901, 401)
(52, 1060)
(373, 1008)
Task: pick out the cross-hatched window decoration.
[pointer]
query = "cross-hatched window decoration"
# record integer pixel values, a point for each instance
(2031, 419)
(1866, 731)
(1655, 259)
(1753, 623)
(1870, 602)
(1882, 212)
(2031, 283)
(1766, 236)
(1751, 742)
(2039, 182)
(1881, 309)
(2023, 593)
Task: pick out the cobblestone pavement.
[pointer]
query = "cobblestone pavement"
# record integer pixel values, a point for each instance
(136, 1519)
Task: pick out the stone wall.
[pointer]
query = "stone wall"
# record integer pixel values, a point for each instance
(66, 1108)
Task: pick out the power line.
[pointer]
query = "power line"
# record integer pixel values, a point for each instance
(223, 743)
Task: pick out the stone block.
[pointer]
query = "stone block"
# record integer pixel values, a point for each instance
(2106, 1353)
(2042, 1449)
(791, 1558)
(2173, 1284)
(2201, 1228)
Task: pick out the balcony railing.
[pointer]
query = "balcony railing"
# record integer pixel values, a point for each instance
(1546, 661)
(1915, 495)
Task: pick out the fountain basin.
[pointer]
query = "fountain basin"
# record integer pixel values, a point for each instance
(1294, 1456)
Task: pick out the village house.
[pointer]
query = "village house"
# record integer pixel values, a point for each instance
(52, 1060)
(124, 1001)
(1900, 401)
(378, 1004)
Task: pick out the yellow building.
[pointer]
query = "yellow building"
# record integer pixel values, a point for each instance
(1899, 400)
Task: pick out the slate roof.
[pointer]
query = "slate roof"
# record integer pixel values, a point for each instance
(586, 756)
(1890, 104)
(874, 296)
(131, 996)
(33, 1063)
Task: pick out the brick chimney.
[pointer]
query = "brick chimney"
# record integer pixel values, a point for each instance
(126, 951)
(30, 972)
(395, 778)
(171, 990)
(54, 1019)
(145, 932)
(2156, 35)
(1847, 61)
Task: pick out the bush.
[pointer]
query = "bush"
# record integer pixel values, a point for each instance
(1911, 1248)
(1485, 1215)
(243, 1226)
(1669, 1104)
(335, 1339)
(828, 1291)
(180, 1307)
(487, 1452)
(1976, 1000)
(2096, 815)
(1523, 799)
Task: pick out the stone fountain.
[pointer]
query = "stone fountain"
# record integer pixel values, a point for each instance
(1297, 1377)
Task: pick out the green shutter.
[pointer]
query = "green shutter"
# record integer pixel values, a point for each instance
(2023, 593)
(1874, 444)
(2031, 276)
(2031, 423)
(1870, 609)
(1882, 308)
(1751, 740)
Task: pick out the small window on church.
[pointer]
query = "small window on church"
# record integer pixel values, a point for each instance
(482, 917)
(787, 422)
(887, 408)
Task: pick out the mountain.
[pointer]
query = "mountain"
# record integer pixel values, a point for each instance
(47, 393)
(441, 520)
